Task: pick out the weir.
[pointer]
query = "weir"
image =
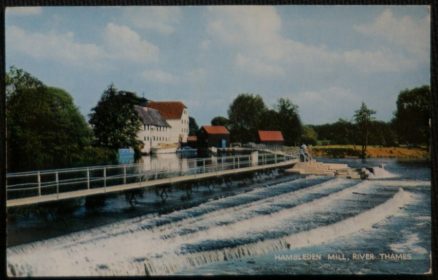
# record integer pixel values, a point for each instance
(268, 219)
(175, 262)
(27, 188)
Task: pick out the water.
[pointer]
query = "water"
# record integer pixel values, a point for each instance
(268, 225)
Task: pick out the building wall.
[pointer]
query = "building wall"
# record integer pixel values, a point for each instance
(152, 136)
(212, 140)
(180, 128)
(272, 143)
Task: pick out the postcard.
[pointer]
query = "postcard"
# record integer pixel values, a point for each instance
(218, 140)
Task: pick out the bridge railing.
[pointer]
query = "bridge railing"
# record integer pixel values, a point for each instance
(45, 182)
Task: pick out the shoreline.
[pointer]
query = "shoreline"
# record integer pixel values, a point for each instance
(349, 151)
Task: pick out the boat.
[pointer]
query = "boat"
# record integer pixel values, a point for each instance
(187, 151)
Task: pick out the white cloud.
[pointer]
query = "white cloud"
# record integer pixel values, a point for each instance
(159, 76)
(407, 32)
(205, 45)
(258, 67)
(119, 43)
(161, 19)
(254, 34)
(60, 47)
(326, 105)
(23, 11)
(377, 61)
(125, 44)
(194, 76)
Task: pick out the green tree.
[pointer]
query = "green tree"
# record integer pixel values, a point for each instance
(220, 120)
(381, 133)
(17, 79)
(363, 118)
(411, 119)
(289, 122)
(270, 120)
(193, 126)
(114, 120)
(309, 135)
(244, 115)
(45, 129)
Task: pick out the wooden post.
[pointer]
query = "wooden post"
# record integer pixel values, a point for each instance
(238, 162)
(104, 178)
(39, 183)
(275, 157)
(124, 174)
(57, 184)
(88, 178)
(203, 165)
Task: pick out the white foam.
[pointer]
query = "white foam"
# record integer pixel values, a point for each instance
(410, 245)
(312, 237)
(63, 256)
(81, 255)
(404, 183)
(381, 173)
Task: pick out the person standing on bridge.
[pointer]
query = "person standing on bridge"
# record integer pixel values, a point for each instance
(303, 153)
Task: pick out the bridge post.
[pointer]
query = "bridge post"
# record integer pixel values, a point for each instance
(203, 165)
(88, 178)
(238, 162)
(104, 178)
(275, 158)
(39, 183)
(234, 162)
(57, 184)
(124, 174)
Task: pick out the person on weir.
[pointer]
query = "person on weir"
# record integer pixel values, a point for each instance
(304, 154)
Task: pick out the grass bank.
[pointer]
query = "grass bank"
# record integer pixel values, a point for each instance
(350, 151)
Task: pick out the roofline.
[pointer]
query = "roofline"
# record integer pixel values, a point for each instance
(171, 101)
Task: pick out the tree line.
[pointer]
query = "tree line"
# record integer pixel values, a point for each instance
(409, 125)
(248, 113)
(46, 130)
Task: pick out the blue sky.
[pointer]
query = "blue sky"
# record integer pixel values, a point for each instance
(326, 59)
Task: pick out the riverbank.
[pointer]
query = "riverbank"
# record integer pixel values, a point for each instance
(350, 151)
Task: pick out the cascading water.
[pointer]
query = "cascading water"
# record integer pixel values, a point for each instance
(316, 213)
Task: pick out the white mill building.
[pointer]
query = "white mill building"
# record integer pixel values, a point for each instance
(165, 126)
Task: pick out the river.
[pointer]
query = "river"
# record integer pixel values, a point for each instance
(267, 224)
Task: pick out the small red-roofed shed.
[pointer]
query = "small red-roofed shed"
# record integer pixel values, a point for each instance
(271, 137)
(214, 136)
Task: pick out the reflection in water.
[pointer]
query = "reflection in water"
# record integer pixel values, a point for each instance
(171, 161)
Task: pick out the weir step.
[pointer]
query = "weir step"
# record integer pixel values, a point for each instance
(325, 169)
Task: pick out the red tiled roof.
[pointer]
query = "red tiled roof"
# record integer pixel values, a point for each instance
(192, 138)
(170, 110)
(215, 129)
(268, 136)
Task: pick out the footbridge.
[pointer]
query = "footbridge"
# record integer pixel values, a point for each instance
(27, 188)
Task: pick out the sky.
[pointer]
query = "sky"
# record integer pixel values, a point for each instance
(325, 59)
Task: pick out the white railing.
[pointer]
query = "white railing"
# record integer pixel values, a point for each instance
(44, 182)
